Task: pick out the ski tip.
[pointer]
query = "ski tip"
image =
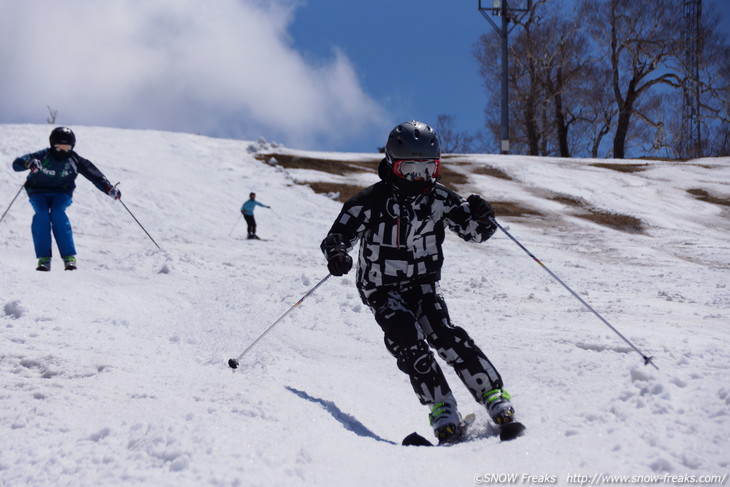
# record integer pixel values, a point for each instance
(414, 439)
(233, 363)
(510, 431)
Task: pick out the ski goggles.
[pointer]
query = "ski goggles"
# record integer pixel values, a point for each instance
(63, 147)
(415, 169)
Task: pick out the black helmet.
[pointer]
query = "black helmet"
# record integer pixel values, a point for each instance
(62, 135)
(416, 145)
(412, 140)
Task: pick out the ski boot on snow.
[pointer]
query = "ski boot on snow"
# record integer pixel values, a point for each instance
(446, 423)
(499, 407)
(44, 264)
(69, 263)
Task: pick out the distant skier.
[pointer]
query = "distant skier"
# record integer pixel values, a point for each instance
(400, 222)
(50, 188)
(247, 209)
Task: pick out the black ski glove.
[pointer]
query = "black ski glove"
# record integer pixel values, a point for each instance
(114, 192)
(34, 165)
(481, 210)
(339, 263)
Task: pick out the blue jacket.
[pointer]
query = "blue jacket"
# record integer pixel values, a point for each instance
(250, 205)
(58, 175)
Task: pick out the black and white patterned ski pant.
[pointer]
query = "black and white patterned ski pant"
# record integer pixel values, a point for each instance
(415, 317)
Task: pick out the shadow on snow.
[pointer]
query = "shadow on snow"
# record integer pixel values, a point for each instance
(349, 422)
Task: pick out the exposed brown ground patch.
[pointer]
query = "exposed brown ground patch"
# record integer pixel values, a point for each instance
(454, 179)
(625, 223)
(492, 171)
(512, 209)
(346, 191)
(703, 195)
(330, 166)
(569, 200)
(621, 167)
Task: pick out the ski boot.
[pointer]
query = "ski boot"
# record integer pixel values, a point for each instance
(446, 423)
(499, 407)
(44, 264)
(69, 263)
(497, 402)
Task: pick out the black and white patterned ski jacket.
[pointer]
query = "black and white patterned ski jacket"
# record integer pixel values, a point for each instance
(401, 236)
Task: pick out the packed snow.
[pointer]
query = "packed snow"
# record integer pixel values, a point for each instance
(116, 374)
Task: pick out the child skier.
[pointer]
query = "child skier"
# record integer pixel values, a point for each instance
(247, 211)
(50, 188)
(400, 222)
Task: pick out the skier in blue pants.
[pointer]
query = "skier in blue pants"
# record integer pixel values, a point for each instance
(50, 188)
(247, 211)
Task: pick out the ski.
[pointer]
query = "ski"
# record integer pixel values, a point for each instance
(507, 432)
(512, 430)
(415, 439)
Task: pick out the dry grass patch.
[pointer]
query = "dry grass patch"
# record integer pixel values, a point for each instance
(329, 166)
(703, 195)
(625, 223)
(616, 221)
(621, 167)
(346, 191)
(449, 177)
(452, 178)
(511, 209)
(568, 200)
(492, 171)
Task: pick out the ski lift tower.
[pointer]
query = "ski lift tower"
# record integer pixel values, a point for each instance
(691, 145)
(508, 13)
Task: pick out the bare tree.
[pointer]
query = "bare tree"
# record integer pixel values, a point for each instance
(563, 62)
(524, 84)
(606, 78)
(52, 115)
(547, 69)
(451, 141)
(642, 46)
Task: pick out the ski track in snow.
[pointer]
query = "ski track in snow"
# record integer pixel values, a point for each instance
(116, 374)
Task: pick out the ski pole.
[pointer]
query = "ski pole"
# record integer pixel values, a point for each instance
(138, 223)
(647, 360)
(11, 203)
(235, 225)
(233, 363)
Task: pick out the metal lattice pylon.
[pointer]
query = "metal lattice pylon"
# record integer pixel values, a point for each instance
(691, 137)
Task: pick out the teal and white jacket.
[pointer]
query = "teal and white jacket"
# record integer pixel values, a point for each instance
(58, 174)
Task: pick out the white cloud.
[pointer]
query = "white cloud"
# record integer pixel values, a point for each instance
(217, 67)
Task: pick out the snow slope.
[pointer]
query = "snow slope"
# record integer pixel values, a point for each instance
(116, 374)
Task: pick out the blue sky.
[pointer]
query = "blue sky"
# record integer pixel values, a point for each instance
(311, 74)
(413, 57)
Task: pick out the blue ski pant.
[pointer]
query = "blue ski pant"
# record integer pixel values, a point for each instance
(50, 216)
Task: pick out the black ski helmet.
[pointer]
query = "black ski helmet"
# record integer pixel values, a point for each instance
(412, 140)
(62, 135)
